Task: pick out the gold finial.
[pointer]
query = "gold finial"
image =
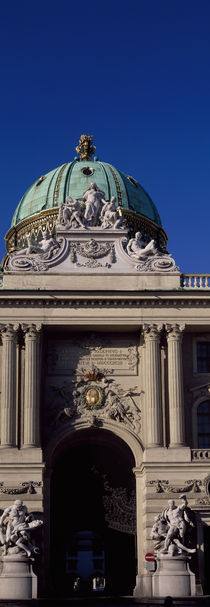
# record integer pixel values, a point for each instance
(85, 149)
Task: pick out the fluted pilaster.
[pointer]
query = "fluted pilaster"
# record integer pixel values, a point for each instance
(8, 403)
(153, 385)
(175, 385)
(31, 435)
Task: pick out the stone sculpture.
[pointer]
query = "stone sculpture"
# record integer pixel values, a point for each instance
(93, 198)
(172, 529)
(43, 248)
(109, 215)
(89, 210)
(15, 527)
(137, 247)
(70, 214)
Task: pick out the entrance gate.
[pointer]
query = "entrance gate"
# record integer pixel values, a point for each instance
(92, 535)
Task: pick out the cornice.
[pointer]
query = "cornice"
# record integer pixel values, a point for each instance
(57, 299)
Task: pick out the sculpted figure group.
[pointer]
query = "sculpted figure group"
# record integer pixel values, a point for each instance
(89, 210)
(172, 529)
(84, 214)
(16, 525)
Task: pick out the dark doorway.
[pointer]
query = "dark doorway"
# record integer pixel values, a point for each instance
(92, 551)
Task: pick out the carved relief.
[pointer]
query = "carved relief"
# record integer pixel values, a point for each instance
(148, 256)
(120, 509)
(37, 257)
(94, 403)
(26, 487)
(92, 250)
(163, 486)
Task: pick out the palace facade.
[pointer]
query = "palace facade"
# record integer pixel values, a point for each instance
(105, 383)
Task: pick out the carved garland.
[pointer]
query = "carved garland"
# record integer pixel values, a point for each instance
(25, 487)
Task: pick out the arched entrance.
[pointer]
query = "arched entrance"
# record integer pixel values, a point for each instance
(93, 515)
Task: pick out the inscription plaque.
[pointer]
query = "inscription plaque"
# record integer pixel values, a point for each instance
(65, 357)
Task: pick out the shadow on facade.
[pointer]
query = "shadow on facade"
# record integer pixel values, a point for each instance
(92, 550)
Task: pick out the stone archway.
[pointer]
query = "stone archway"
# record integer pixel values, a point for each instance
(93, 510)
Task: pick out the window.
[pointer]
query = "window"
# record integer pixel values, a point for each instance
(203, 424)
(203, 357)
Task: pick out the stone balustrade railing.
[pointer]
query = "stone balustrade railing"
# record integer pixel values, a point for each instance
(199, 455)
(195, 281)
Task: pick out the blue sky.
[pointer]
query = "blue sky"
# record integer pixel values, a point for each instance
(136, 75)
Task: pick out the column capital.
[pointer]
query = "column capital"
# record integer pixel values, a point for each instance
(9, 331)
(175, 331)
(152, 332)
(32, 330)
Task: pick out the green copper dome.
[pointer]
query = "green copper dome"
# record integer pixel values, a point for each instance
(73, 178)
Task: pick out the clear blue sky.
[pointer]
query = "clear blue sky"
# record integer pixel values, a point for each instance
(136, 75)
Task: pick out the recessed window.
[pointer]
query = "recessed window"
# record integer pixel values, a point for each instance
(203, 424)
(203, 357)
(87, 171)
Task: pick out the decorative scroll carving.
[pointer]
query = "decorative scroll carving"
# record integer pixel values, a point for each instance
(37, 257)
(163, 486)
(161, 262)
(150, 259)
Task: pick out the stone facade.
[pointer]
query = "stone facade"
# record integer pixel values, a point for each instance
(99, 347)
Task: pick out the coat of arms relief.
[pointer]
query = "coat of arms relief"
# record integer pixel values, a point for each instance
(92, 378)
(94, 399)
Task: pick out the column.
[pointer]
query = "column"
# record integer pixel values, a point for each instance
(175, 385)
(153, 385)
(8, 396)
(31, 434)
